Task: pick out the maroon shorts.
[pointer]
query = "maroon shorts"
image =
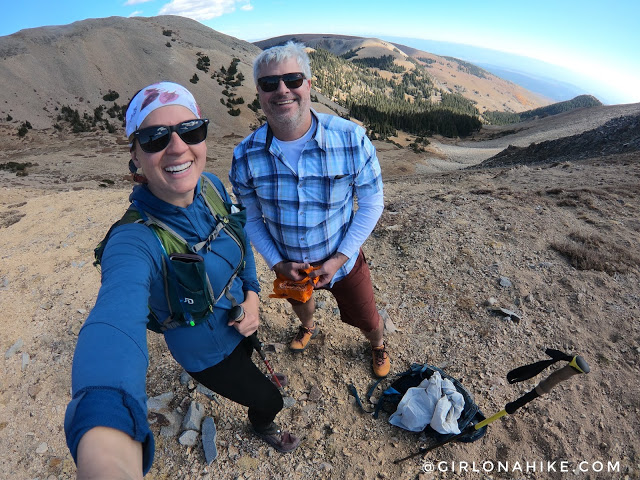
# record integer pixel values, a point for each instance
(354, 294)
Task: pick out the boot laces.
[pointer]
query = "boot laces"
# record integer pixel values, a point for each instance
(380, 355)
(302, 331)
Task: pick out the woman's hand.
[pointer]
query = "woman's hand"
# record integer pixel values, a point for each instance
(250, 322)
(106, 453)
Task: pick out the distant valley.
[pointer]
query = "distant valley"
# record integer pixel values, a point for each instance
(551, 81)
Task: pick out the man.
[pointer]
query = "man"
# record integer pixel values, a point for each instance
(297, 176)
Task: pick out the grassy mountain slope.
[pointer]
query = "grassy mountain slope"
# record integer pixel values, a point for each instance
(83, 61)
(93, 67)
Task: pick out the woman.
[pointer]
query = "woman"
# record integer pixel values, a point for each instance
(106, 421)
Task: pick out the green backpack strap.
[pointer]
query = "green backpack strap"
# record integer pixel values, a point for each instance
(213, 198)
(230, 218)
(170, 240)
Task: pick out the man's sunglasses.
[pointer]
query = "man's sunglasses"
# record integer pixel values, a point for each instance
(271, 82)
(156, 139)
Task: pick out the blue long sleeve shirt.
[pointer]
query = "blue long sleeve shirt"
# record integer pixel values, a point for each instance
(111, 357)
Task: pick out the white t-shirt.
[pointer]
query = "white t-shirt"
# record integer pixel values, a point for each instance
(292, 149)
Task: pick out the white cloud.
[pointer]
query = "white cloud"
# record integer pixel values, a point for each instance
(135, 2)
(247, 8)
(135, 14)
(202, 9)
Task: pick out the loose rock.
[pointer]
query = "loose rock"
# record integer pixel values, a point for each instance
(34, 390)
(188, 438)
(389, 327)
(25, 360)
(173, 428)
(209, 435)
(160, 402)
(210, 394)
(14, 348)
(314, 394)
(193, 418)
(508, 314)
(184, 378)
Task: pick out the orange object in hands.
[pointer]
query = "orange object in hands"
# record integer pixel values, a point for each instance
(300, 290)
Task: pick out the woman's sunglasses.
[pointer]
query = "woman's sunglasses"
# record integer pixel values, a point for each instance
(271, 82)
(156, 139)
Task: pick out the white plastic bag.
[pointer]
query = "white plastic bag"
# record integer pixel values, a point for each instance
(415, 410)
(448, 409)
(435, 402)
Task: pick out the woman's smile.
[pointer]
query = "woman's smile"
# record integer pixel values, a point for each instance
(175, 169)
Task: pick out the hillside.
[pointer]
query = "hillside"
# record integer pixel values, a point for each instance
(87, 90)
(506, 118)
(449, 75)
(446, 155)
(84, 61)
(564, 235)
(620, 135)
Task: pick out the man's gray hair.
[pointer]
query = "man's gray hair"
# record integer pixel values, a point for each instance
(281, 53)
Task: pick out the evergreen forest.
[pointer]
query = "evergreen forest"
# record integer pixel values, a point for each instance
(399, 99)
(506, 118)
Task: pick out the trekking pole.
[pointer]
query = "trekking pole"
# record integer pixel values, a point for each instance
(237, 314)
(576, 366)
(287, 400)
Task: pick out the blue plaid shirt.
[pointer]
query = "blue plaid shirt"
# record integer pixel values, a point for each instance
(309, 213)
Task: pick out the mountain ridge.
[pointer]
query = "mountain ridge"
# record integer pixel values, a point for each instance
(85, 60)
(80, 66)
(449, 75)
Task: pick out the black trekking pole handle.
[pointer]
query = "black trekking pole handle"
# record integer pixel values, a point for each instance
(576, 366)
(237, 314)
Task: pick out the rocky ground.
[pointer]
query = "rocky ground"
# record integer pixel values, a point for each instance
(564, 234)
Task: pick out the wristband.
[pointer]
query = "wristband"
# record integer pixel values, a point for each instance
(236, 314)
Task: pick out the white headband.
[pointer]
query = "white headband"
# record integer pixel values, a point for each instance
(153, 97)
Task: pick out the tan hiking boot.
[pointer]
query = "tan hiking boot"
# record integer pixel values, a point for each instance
(301, 340)
(381, 363)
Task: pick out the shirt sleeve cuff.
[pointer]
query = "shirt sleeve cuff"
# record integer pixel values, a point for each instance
(251, 287)
(108, 407)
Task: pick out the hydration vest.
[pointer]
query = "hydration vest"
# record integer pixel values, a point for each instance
(187, 287)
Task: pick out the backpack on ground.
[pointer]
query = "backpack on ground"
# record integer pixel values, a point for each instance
(391, 396)
(187, 287)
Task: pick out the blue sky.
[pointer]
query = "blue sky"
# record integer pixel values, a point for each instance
(598, 41)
